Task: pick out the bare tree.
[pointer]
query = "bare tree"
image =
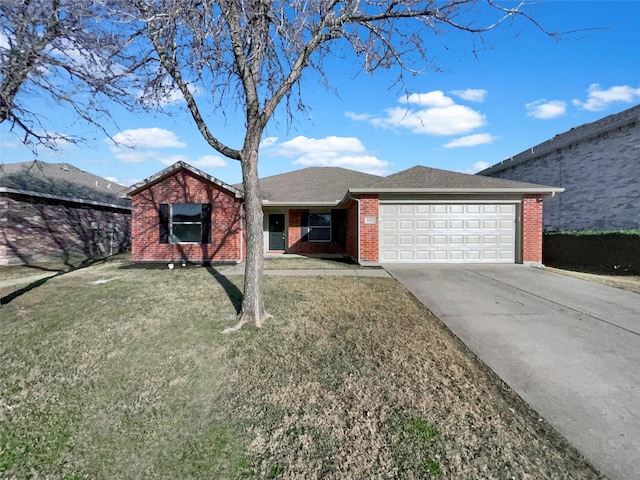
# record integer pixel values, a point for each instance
(248, 52)
(254, 52)
(65, 52)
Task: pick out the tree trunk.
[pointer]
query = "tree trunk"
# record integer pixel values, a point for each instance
(252, 308)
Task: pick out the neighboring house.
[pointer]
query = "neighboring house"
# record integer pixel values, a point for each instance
(598, 164)
(56, 211)
(420, 215)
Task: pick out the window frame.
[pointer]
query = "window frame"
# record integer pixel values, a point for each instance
(167, 216)
(318, 228)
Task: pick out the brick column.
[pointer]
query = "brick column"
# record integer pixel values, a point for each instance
(368, 231)
(532, 229)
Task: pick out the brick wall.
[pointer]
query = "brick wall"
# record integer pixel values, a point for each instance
(597, 164)
(351, 247)
(368, 232)
(295, 245)
(532, 229)
(185, 187)
(34, 230)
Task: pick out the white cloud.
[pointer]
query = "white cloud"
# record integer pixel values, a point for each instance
(148, 138)
(471, 94)
(430, 113)
(599, 99)
(476, 167)
(546, 110)
(268, 141)
(167, 94)
(359, 117)
(435, 98)
(142, 144)
(346, 152)
(471, 140)
(127, 182)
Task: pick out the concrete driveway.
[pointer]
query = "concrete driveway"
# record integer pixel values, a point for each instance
(569, 347)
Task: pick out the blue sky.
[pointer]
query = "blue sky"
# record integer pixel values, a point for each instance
(490, 99)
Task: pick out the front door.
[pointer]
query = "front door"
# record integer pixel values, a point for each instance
(276, 231)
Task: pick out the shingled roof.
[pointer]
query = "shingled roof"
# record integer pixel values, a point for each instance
(60, 181)
(421, 179)
(312, 186)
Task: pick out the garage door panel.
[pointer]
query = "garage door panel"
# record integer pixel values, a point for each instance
(473, 240)
(506, 209)
(439, 210)
(389, 240)
(439, 224)
(406, 255)
(423, 240)
(405, 240)
(439, 239)
(505, 224)
(389, 225)
(387, 210)
(472, 209)
(442, 233)
(472, 224)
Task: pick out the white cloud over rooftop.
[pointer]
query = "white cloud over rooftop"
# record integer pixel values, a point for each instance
(333, 151)
(144, 144)
(430, 113)
(544, 109)
(599, 98)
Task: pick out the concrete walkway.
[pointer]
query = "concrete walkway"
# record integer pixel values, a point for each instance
(568, 347)
(325, 272)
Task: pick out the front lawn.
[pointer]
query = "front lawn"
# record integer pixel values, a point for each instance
(108, 372)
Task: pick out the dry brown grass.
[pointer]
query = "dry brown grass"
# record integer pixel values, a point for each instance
(353, 378)
(631, 283)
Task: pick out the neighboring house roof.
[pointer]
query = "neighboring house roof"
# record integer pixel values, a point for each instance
(574, 136)
(167, 172)
(312, 186)
(60, 181)
(432, 180)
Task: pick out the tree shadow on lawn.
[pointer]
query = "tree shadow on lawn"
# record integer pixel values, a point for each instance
(38, 283)
(232, 291)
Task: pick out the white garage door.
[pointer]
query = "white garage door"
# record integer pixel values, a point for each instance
(442, 233)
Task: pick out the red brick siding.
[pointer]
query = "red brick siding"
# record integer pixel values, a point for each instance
(295, 245)
(35, 230)
(185, 187)
(368, 232)
(352, 230)
(532, 229)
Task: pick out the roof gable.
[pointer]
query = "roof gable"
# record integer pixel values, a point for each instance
(425, 179)
(171, 170)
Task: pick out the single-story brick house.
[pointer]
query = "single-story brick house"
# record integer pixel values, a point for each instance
(598, 165)
(57, 212)
(419, 215)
